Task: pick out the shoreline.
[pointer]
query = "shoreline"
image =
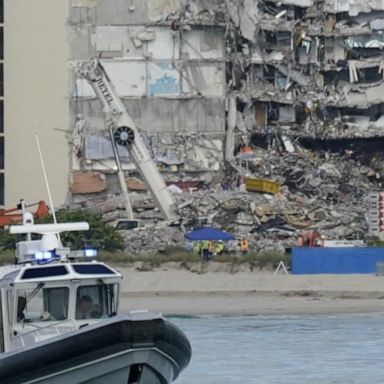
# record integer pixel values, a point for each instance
(178, 292)
(250, 303)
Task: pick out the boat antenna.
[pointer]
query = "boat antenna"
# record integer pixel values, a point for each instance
(46, 179)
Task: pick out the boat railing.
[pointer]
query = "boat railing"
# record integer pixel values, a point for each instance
(41, 333)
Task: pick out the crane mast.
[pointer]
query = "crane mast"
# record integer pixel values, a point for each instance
(123, 131)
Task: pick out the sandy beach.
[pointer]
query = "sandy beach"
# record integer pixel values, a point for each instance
(171, 290)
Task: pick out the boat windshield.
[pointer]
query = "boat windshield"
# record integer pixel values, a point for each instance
(96, 301)
(42, 304)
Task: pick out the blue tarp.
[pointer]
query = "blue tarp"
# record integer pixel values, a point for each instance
(306, 260)
(208, 233)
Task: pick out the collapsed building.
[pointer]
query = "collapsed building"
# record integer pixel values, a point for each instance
(171, 79)
(203, 79)
(315, 68)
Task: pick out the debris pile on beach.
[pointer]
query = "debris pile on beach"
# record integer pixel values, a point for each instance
(320, 191)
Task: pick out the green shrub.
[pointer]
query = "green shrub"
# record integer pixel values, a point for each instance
(374, 241)
(267, 259)
(7, 257)
(175, 254)
(172, 254)
(100, 235)
(8, 241)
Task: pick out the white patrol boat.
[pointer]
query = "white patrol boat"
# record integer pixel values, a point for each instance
(59, 321)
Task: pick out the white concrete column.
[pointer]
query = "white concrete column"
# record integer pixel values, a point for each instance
(36, 98)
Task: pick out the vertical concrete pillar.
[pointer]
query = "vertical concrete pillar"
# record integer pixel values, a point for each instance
(36, 98)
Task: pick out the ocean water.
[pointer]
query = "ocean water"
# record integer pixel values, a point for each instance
(318, 349)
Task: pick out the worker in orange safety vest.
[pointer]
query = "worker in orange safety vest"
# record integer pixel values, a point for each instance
(244, 246)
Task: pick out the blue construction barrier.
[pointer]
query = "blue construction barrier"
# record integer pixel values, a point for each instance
(307, 260)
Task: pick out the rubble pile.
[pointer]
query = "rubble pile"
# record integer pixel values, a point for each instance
(307, 68)
(212, 74)
(152, 239)
(325, 192)
(319, 191)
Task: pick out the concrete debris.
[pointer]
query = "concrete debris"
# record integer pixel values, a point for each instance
(91, 182)
(245, 15)
(298, 83)
(99, 148)
(191, 153)
(150, 240)
(320, 190)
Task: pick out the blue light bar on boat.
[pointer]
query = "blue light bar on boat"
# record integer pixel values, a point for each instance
(83, 253)
(90, 252)
(43, 256)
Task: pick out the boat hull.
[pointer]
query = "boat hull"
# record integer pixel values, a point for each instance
(125, 349)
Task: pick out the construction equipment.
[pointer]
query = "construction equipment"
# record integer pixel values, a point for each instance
(313, 238)
(7, 217)
(127, 225)
(310, 239)
(122, 131)
(261, 185)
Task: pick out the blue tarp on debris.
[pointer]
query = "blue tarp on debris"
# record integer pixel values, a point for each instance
(208, 233)
(306, 260)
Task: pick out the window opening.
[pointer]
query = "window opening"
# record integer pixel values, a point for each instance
(96, 301)
(42, 304)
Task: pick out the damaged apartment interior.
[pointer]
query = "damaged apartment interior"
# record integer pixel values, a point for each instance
(287, 91)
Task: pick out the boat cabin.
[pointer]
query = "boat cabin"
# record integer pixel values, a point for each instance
(48, 293)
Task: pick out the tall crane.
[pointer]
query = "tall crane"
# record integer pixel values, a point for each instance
(123, 131)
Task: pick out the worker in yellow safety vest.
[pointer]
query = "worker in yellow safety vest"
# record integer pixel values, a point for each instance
(244, 246)
(219, 247)
(205, 250)
(197, 248)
